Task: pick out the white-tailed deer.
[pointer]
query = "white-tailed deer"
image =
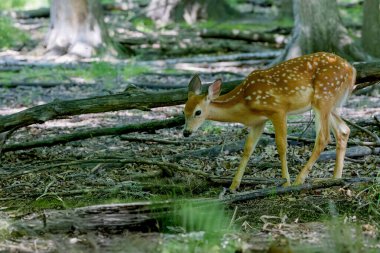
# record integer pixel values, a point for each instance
(320, 81)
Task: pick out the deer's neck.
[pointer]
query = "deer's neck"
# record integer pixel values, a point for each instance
(234, 108)
(226, 111)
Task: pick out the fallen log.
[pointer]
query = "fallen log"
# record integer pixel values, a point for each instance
(249, 36)
(96, 132)
(14, 84)
(268, 54)
(114, 218)
(130, 99)
(352, 152)
(147, 216)
(274, 191)
(367, 71)
(226, 181)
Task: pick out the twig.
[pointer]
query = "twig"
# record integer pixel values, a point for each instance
(163, 141)
(361, 86)
(249, 195)
(249, 181)
(373, 135)
(333, 143)
(353, 160)
(3, 138)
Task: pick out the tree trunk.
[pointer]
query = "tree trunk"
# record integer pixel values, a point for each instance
(318, 27)
(371, 27)
(166, 11)
(77, 28)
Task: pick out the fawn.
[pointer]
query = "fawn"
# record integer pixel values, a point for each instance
(319, 81)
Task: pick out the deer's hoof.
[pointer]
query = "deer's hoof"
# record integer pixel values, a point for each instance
(225, 192)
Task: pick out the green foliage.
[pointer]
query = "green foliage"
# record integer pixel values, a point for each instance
(134, 70)
(144, 24)
(232, 3)
(23, 4)
(48, 202)
(9, 35)
(353, 15)
(100, 69)
(172, 71)
(210, 218)
(373, 198)
(202, 227)
(104, 71)
(210, 128)
(345, 238)
(107, 1)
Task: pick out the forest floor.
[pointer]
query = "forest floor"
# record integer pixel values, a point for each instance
(90, 172)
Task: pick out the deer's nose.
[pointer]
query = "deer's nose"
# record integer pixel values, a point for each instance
(186, 133)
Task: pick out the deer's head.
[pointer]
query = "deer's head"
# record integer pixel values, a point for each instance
(197, 106)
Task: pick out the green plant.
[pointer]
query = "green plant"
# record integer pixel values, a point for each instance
(373, 198)
(203, 228)
(23, 4)
(210, 128)
(10, 36)
(345, 238)
(134, 70)
(144, 24)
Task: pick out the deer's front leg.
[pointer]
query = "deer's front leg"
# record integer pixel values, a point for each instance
(250, 144)
(280, 128)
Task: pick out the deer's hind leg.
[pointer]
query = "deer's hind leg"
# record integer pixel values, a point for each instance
(341, 133)
(322, 118)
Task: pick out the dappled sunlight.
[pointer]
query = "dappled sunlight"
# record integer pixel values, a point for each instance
(7, 110)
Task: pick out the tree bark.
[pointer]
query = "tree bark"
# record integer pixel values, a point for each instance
(318, 27)
(371, 27)
(114, 218)
(77, 28)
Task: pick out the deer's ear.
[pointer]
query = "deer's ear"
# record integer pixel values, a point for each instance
(214, 90)
(195, 85)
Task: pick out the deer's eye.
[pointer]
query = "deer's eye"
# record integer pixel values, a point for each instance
(198, 113)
